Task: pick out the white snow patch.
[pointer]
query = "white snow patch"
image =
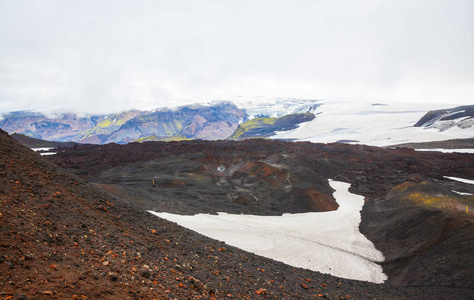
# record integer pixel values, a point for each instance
(327, 242)
(47, 153)
(463, 194)
(43, 149)
(278, 107)
(460, 179)
(461, 150)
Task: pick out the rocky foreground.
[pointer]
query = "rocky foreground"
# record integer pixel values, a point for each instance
(61, 237)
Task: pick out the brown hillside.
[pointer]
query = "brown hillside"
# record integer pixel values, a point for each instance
(62, 238)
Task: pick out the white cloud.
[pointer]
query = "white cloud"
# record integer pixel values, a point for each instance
(113, 55)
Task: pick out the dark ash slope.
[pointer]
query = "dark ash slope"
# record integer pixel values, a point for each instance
(425, 233)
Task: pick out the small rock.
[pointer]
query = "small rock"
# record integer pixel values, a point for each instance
(113, 277)
(145, 273)
(196, 283)
(47, 292)
(10, 264)
(261, 291)
(303, 285)
(30, 256)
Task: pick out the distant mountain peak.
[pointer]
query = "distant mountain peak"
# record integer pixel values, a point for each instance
(444, 119)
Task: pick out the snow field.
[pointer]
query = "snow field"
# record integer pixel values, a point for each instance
(461, 150)
(371, 124)
(327, 242)
(460, 179)
(44, 149)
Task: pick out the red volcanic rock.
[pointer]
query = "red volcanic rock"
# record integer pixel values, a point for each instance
(264, 172)
(241, 200)
(318, 201)
(260, 169)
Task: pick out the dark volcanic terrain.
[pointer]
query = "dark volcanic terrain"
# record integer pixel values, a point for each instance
(446, 144)
(62, 237)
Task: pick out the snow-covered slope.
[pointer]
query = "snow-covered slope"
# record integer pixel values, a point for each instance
(327, 242)
(278, 107)
(372, 124)
(444, 119)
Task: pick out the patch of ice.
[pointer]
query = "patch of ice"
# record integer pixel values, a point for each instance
(47, 153)
(465, 150)
(463, 194)
(460, 179)
(327, 242)
(43, 149)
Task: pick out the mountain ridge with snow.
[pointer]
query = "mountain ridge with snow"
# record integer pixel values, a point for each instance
(376, 124)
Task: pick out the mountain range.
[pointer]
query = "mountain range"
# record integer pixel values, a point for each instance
(289, 119)
(189, 122)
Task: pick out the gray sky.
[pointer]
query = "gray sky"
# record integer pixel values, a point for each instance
(103, 56)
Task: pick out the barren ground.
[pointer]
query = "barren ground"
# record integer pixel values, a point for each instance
(62, 237)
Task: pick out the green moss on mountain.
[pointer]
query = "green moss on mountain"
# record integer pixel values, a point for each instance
(108, 125)
(431, 196)
(265, 127)
(154, 138)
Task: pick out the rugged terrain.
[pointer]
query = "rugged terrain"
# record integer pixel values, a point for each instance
(444, 119)
(38, 143)
(423, 230)
(446, 144)
(61, 237)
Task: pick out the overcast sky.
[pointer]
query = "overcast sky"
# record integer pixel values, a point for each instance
(103, 56)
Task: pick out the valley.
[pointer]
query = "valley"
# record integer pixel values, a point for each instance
(411, 211)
